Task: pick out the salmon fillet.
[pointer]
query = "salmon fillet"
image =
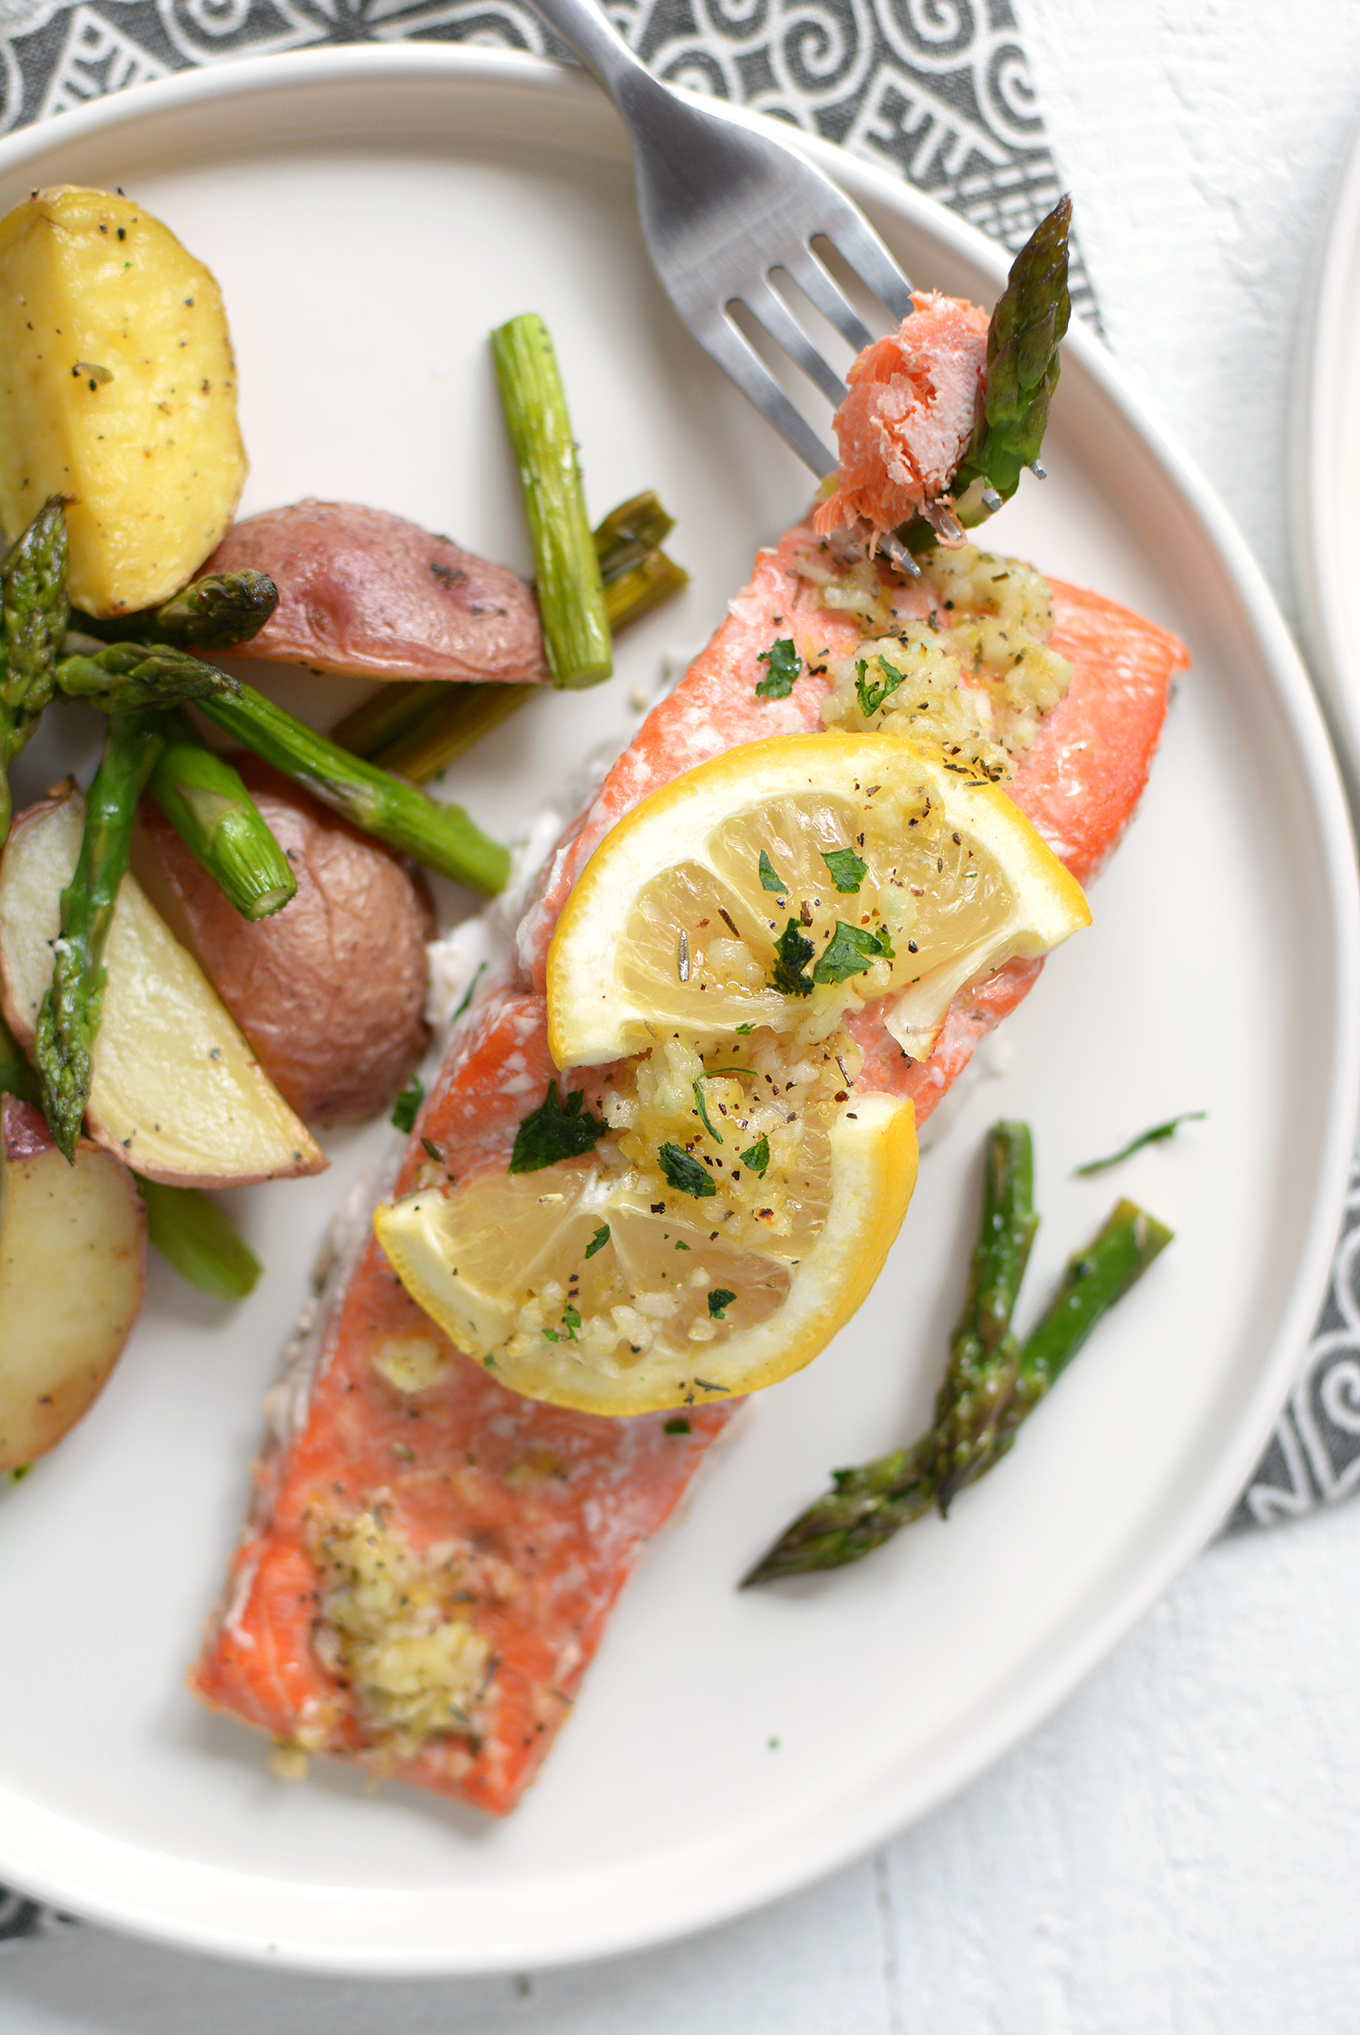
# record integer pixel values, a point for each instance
(530, 1516)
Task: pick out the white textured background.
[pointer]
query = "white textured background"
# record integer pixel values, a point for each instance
(1177, 1852)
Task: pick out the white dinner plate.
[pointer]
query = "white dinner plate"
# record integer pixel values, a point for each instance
(1324, 460)
(371, 213)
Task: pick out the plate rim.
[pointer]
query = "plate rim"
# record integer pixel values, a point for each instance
(1196, 1520)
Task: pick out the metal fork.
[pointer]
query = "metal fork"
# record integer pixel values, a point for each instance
(722, 209)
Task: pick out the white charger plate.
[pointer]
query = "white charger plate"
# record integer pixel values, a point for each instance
(371, 213)
(1325, 459)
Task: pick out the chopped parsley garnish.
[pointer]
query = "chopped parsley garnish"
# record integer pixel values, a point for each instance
(571, 1321)
(756, 1157)
(685, 1174)
(744, 1031)
(793, 952)
(1152, 1137)
(679, 1425)
(550, 1133)
(598, 1241)
(407, 1105)
(785, 666)
(770, 879)
(847, 871)
(702, 1108)
(871, 697)
(719, 1300)
(852, 950)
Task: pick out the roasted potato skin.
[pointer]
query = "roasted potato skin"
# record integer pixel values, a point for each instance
(117, 391)
(176, 1093)
(330, 991)
(72, 1276)
(366, 594)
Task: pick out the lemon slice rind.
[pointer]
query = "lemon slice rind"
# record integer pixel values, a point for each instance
(593, 1019)
(873, 1171)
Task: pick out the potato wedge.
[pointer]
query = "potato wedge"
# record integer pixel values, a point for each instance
(117, 390)
(72, 1273)
(330, 991)
(176, 1092)
(365, 594)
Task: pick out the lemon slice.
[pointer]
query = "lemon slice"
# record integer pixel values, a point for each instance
(604, 1286)
(789, 880)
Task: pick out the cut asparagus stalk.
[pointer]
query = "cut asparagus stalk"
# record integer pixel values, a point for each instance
(440, 836)
(450, 726)
(629, 533)
(654, 579)
(1114, 1260)
(394, 708)
(187, 1227)
(33, 610)
(863, 1508)
(125, 678)
(219, 822)
(566, 562)
(984, 1355)
(220, 611)
(68, 1018)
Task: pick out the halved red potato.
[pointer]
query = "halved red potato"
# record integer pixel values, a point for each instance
(330, 991)
(366, 594)
(72, 1273)
(176, 1092)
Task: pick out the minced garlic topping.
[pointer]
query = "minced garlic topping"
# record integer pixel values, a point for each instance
(391, 1627)
(973, 678)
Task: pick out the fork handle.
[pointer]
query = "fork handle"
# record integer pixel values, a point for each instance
(588, 30)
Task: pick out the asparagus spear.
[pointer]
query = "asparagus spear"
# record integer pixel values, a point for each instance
(16, 1076)
(629, 533)
(33, 608)
(124, 678)
(219, 822)
(1027, 324)
(449, 726)
(187, 1227)
(1115, 1259)
(440, 836)
(984, 1355)
(216, 612)
(867, 1506)
(863, 1508)
(567, 565)
(644, 586)
(68, 1019)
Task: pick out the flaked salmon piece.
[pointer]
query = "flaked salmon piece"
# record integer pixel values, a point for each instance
(505, 1528)
(910, 406)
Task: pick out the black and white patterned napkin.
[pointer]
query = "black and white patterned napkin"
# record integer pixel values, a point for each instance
(937, 89)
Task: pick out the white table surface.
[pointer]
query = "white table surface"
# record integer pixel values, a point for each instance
(1176, 1851)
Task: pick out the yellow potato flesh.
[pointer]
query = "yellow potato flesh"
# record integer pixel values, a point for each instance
(72, 1268)
(175, 1090)
(117, 391)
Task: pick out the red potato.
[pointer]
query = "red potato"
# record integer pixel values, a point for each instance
(72, 1274)
(330, 991)
(364, 594)
(175, 1091)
